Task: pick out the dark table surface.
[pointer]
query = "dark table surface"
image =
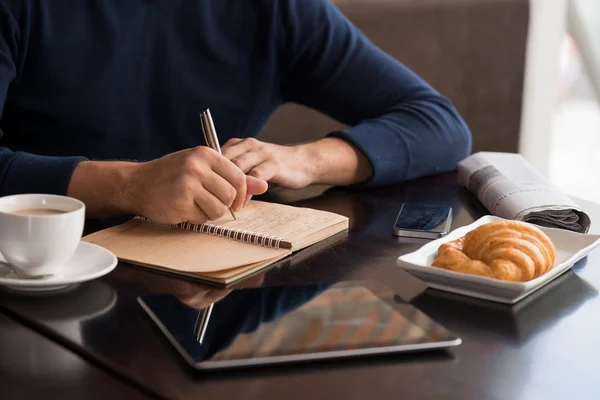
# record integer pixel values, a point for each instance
(34, 367)
(546, 346)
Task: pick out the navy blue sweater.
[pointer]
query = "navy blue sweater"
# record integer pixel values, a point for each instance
(126, 79)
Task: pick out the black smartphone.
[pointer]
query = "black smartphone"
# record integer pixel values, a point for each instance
(426, 221)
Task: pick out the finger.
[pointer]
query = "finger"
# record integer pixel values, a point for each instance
(234, 149)
(248, 197)
(248, 160)
(234, 176)
(230, 143)
(198, 216)
(251, 282)
(265, 171)
(239, 148)
(219, 187)
(203, 299)
(215, 295)
(256, 186)
(210, 204)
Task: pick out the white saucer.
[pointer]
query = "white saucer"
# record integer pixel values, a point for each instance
(89, 262)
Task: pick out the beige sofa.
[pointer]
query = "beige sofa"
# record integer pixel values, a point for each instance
(472, 51)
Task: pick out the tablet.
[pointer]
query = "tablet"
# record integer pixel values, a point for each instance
(269, 325)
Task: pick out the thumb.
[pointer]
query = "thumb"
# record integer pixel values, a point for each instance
(255, 186)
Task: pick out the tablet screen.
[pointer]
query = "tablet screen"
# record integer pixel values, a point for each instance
(268, 324)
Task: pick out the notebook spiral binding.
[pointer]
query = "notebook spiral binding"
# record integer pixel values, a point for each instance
(238, 235)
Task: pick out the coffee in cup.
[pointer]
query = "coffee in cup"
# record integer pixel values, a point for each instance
(40, 232)
(38, 211)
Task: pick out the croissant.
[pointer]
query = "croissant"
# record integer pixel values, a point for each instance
(505, 250)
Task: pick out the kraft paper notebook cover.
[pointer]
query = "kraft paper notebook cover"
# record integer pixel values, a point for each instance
(225, 250)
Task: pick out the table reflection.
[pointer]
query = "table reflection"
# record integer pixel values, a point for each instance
(65, 311)
(517, 323)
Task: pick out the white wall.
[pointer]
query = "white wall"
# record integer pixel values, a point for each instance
(584, 25)
(546, 31)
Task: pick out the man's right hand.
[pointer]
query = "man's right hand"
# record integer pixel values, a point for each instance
(193, 185)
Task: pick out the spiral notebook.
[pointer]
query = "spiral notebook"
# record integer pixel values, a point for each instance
(225, 250)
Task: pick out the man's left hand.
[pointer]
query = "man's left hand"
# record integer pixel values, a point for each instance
(285, 166)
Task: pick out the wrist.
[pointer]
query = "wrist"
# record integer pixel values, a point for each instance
(106, 187)
(308, 161)
(334, 161)
(125, 193)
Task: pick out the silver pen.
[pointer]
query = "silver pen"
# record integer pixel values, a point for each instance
(202, 322)
(210, 136)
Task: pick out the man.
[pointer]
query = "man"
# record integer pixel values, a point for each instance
(86, 86)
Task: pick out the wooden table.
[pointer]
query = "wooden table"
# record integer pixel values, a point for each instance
(545, 347)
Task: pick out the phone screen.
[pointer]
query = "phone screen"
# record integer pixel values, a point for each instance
(423, 220)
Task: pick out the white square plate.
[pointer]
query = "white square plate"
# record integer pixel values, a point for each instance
(570, 248)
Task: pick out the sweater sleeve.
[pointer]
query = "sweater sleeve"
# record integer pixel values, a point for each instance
(22, 172)
(405, 128)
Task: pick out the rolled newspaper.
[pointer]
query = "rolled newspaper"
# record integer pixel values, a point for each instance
(510, 187)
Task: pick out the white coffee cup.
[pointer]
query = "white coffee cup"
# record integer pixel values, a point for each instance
(40, 232)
